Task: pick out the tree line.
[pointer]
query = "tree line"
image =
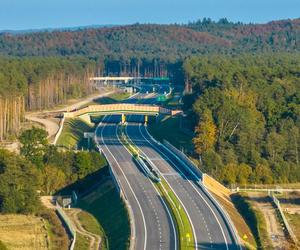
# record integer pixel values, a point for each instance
(30, 84)
(39, 170)
(246, 114)
(153, 41)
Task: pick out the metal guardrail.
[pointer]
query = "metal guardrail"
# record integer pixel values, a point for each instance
(183, 157)
(193, 168)
(69, 225)
(286, 224)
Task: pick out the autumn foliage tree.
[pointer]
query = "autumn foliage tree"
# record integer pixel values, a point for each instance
(205, 133)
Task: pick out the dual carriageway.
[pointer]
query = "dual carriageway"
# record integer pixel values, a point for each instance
(152, 224)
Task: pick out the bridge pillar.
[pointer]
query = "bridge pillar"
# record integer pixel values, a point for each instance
(123, 120)
(146, 120)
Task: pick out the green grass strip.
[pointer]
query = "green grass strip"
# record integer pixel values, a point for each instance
(182, 223)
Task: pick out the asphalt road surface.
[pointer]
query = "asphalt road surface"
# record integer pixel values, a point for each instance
(153, 223)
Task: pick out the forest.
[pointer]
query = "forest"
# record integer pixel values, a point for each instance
(246, 114)
(247, 105)
(38, 167)
(165, 43)
(29, 84)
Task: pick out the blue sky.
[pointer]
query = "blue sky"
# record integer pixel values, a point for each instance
(32, 14)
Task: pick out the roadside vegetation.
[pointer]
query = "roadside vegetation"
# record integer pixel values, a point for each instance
(254, 219)
(43, 169)
(180, 138)
(72, 136)
(113, 98)
(182, 223)
(245, 110)
(23, 232)
(106, 206)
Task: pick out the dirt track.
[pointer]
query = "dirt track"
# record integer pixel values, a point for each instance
(274, 228)
(50, 123)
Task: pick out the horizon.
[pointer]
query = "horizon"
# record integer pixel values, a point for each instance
(134, 23)
(35, 15)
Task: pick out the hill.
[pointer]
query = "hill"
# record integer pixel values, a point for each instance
(167, 42)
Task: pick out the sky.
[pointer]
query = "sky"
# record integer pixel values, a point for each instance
(36, 14)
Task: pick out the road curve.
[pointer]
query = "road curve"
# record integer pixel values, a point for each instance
(211, 229)
(154, 226)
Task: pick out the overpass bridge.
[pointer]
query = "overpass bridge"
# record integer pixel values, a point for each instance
(126, 79)
(122, 109)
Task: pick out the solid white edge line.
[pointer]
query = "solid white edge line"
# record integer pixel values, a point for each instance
(165, 205)
(143, 217)
(223, 234)
(192, 225)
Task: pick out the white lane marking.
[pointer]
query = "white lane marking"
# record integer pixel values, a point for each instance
(194, 233)
(223, 234)
(143, 217)
(165, 205)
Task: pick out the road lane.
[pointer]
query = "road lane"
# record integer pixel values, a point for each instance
(154, 225)
(212, 231)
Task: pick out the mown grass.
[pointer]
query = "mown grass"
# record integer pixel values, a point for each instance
(90, 224)
(255, 220)
(72, 136)
(105, 204)
(113, 98)
(169, 129)
(183, 225)
(82, 242)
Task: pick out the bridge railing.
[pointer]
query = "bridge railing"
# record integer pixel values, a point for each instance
(122, 107)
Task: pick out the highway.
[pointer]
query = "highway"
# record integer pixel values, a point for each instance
(154, 226)
(210, 228)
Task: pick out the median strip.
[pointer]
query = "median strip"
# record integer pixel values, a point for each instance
(182, 223)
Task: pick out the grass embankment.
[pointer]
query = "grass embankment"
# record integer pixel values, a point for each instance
(82, 242)
(182, 223)
(169, 128)
(90, 224)
(294, 222)
(113, 98)
(106, 206)
(24, 232)
(255, 220)
(72, 136)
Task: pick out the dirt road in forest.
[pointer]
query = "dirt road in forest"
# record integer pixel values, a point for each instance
(47, 117)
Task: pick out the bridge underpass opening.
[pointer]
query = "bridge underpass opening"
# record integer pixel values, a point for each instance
(117, 118)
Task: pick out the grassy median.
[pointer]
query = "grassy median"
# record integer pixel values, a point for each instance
(182, 223)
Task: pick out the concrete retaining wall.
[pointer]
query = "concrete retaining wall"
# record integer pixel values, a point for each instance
(61, 125)
(69, 225)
